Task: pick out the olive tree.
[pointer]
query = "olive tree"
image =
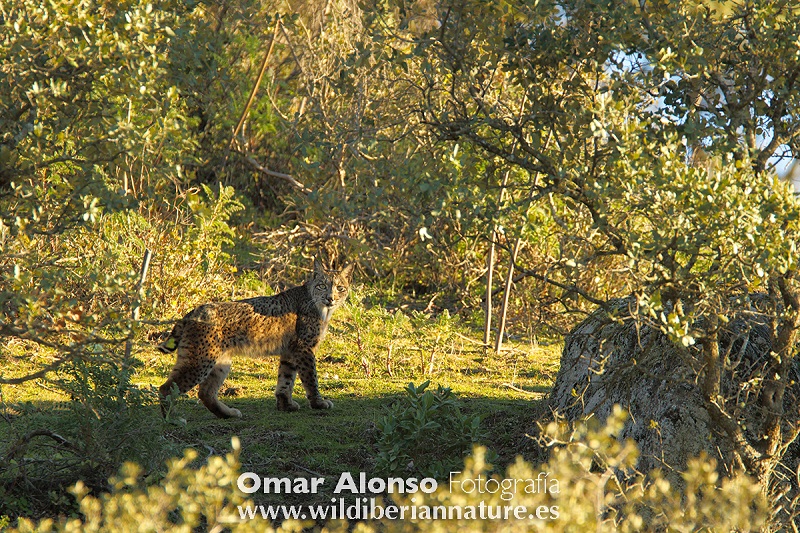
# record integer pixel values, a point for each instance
(650, 132)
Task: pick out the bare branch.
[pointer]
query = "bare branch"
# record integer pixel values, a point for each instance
(19, 448)
(255, 88)
(286, 177)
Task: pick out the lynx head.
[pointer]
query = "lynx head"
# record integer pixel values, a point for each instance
(329, 288)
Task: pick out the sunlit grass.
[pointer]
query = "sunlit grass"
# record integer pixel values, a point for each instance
(364, 363)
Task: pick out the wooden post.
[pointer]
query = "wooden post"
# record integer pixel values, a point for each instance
(490, 268)
(489, 273)
(506, 296)
(139, 294)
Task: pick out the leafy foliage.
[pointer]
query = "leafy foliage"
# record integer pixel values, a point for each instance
(598, 489)
(186, 498)
(673, 196)
(103, 424)
(85, 119)
(425, 433)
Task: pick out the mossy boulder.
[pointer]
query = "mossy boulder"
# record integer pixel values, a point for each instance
(614, 358)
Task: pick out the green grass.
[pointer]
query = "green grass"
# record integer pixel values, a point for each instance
(364, 364)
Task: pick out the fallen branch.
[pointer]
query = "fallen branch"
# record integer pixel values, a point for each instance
(307, 470)
(286, 177)
(523, 391)
(473, 341)
(19, 448)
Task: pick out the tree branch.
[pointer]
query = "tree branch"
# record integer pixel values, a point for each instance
(255, 88)
(286, 177)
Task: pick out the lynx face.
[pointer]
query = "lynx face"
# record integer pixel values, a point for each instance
(329, 289)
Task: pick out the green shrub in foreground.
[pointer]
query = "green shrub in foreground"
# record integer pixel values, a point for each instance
(586, 462)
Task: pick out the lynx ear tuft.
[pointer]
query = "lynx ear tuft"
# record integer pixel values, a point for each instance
(318, 268)
(347, 272)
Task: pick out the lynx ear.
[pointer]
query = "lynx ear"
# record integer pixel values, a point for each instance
(318, 268)
(347, 272)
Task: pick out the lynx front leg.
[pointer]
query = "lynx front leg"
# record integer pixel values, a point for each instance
(307, 365)
(287, 374)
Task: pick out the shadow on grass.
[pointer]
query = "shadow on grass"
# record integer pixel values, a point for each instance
(306, 443)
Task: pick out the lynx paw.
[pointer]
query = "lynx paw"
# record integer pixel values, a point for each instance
(287, 404)
(320, 403)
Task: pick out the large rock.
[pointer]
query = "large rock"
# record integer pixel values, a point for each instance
(620, 361)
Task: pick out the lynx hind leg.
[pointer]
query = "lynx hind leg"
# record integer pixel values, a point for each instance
(185, 374)
(209, 389)
(307, 366)
(287, 374)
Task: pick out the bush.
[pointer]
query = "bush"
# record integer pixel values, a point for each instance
(185, 499)
(598, 489)
(422, 427)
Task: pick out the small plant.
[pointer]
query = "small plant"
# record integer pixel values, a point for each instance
(425, 433)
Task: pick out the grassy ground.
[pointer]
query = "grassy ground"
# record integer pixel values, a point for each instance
(364, 364)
